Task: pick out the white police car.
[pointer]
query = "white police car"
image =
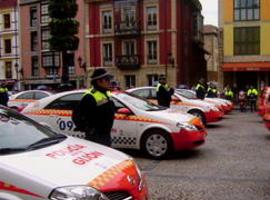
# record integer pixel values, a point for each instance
(138, 124)
(36, 163)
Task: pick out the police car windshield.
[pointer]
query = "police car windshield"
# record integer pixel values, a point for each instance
(187, 94)
(139, 102)
(18, 132)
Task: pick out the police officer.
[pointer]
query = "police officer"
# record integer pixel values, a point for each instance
(200, 89)
(98, 108)
(252, 95)
(212, 91)
(164, 92)
(229, 93)
(3, 95)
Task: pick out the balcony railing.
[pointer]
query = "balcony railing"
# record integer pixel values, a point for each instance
(128, 62)
(127, 28)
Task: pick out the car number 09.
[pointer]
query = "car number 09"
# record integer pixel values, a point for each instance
(65, 125)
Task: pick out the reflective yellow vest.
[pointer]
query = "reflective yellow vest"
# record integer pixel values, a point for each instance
(100, 97)
(166, 86)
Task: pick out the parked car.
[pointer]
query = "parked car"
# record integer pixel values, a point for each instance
(207, 112)
(138, 124)
(223, 104)
(20, 100)
(37, 163)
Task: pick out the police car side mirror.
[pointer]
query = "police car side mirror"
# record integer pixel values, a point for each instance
(124, 111)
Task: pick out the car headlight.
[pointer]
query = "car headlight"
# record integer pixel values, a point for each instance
(214, 108)
(77, 193)
(186, 126)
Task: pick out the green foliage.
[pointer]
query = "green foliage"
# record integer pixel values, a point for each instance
(63, 43)
(64, 27)
(62, 9)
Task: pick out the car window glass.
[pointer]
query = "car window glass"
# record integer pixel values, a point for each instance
(28, 95)
(17, 131)
(145, 93)
(68, 102)
(153, 93)
(40, 95)
(118, 104)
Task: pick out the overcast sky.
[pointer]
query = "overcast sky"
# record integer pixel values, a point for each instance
(210, 11)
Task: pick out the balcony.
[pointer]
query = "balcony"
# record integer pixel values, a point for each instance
(128, 62)
(127, 28)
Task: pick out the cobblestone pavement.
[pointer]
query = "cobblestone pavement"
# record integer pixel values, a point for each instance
(234, 164)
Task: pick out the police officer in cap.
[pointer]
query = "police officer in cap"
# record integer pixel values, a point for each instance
(3, 94)
(98, 108)
(164, 92)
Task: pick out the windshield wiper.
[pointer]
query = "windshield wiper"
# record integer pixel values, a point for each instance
(4, 151)
(47, 141)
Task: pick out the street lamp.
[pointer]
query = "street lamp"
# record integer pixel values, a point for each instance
(16, 65)
(170, 60)
(82, 65)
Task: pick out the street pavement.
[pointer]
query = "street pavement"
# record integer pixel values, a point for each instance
(233, 164)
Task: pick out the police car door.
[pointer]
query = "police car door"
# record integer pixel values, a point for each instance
(59, 114)
(124, 133)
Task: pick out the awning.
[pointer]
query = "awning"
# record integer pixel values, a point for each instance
(246, 66)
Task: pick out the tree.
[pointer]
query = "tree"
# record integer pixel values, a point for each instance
(63, 29)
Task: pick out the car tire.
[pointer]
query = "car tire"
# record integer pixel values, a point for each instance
(199, 114)
(156, 143)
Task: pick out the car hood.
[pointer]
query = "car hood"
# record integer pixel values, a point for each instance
(71, 162)
(170, 115)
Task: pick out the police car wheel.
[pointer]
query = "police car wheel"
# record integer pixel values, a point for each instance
(156, 143)
(199, 114)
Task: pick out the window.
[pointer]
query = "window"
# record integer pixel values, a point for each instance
(129, 48)
(246, 10)
(152, 52)
(68, 102)
(34, 41)
(107, 21)
(35, 66)
(107, 53)
(28, 95)
(40, 95)
(130, 81)
(7, 46)
(51, 59)
(144, 93)
(129, 16)
(8, 69)
(33, 16)
(45, 34)
(247, 41)
(152, 79)
(45, 18)
(151, 17)
(7, 23)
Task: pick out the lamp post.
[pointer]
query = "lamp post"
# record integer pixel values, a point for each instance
(16, 65)
(170, 60)
(82, 65)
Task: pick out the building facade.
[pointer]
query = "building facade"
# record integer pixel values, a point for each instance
(246, 27)
(139, 40)
(42, 66)
(211, 45)
(9, 43)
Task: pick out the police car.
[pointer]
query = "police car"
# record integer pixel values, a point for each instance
(225, 105)
(138, 124)
(207, 112)
(37, 163)
(20, 100)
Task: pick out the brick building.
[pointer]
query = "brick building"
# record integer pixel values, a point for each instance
(138, 40)
(41, 66)
(9, 42)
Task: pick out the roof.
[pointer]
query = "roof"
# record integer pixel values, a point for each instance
(210, 29)
(8, 4)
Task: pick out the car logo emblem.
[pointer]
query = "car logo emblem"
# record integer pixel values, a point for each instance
(131, 180)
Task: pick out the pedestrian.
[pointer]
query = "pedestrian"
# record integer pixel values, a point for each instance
(96, 109)
(164, 92)
(200, 89)
(252, 97)
(242, 98)
(3, 94)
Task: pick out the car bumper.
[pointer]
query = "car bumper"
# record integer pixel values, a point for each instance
(213, 116)
(185, 140)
